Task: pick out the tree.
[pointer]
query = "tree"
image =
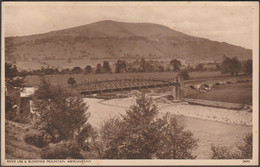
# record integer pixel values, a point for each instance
(160, 68)
(177, 143)
(62, 114)
(244, 151)
(184, 74)
(76, 70)
(11, 76)
(120, 66)
(10, 70)
(230, 66)
(138, 135)
(106, 67)
(98, 68)
(248, 67)
(88, 69)
(71, 81)
(199, 67)
(69, 60)
(176, 64)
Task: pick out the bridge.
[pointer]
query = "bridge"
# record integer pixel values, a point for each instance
(121, 84)
(180, 87)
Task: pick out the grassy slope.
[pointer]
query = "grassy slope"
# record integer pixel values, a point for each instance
(233, 93)
(15, 146)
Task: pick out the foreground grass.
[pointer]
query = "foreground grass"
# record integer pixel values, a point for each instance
(15, 147)
(233, 93)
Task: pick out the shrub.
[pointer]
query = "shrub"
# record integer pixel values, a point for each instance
(244, 151)
(222, 152)
(38, 139)
(184, 74)
(247, 148)
(62, 150)
(72, 81)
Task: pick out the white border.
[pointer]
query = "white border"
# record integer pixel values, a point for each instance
(255, 34)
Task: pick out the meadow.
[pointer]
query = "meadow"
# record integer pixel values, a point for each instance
(233, 93)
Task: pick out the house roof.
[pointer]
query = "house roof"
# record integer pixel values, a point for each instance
(27, 92)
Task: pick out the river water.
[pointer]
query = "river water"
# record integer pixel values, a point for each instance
(208, 132)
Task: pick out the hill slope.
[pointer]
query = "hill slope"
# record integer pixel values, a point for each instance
(110, 39)
(15, 146)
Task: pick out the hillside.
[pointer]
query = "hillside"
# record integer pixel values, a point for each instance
(15, 146)
(114, 40)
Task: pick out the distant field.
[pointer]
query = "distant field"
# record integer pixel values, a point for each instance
(232, 93)
(62, 79)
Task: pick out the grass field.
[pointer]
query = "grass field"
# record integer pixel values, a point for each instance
(233, 93)
(62, 79)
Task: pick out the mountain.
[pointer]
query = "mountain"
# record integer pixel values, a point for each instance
(117, 40)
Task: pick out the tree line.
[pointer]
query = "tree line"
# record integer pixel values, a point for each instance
(229, 66)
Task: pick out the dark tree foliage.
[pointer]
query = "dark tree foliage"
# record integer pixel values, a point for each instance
(71, 81)
(177, 143)
(184, 74)
(62, 150)
(66, 71)
(231, 66)
(62, 114)
(244, 151)
(76, 70)
(88, 69)
(247, 148)
(11, 76)
(176, 64)
(10, 70)
(248, 67)
(106, 67)
(98, 68)
(139, 135)
(120, 66)
(199, 67)
(160, 68)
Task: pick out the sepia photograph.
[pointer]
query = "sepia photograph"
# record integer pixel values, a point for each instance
(129, 83)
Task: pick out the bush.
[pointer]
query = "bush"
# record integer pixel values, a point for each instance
(223, 152)
(244, 151)
(72, 81)
(38, 139)
(184, 74)
(139, 135)
(247, 148)
(62, 150)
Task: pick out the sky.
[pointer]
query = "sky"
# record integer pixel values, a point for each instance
(223, 22)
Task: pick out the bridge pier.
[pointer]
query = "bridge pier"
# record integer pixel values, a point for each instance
(177, 91)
